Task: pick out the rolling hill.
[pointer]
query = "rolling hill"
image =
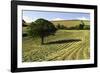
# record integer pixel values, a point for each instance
(66, 23)
(70, 23)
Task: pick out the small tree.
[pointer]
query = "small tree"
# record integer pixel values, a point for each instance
(41, 28)
(81, 26)
(61, 26)
(58, 26)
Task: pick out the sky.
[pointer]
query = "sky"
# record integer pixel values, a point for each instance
(30, 15)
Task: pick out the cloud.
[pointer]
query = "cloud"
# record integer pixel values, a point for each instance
(57, 19)
(82, 18)
(27, 19)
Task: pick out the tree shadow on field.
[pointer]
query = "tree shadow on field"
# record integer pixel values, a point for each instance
(63, 41)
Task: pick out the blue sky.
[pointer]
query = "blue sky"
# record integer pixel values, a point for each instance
(30, 16)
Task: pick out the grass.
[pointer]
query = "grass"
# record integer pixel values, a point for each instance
(75, 47)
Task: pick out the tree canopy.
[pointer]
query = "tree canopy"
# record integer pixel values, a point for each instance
(42, 28)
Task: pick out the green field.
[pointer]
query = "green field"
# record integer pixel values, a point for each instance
(64, 45)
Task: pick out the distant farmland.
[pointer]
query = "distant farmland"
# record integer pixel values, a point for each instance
(70, 23)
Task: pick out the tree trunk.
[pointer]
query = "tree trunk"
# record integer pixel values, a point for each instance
(42, 40)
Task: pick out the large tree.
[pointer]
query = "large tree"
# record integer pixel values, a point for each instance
(41, 28)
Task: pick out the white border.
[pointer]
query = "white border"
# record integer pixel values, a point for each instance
(52, 63)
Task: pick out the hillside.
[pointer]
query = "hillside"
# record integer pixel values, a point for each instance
(66, 23)
(70, 23)
(65, 45)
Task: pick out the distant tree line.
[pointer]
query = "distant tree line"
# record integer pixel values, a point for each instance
(81, 26)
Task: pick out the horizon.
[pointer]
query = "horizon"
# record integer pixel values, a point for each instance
(30, 16)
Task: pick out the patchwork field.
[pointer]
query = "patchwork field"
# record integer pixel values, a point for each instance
(64, 45)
